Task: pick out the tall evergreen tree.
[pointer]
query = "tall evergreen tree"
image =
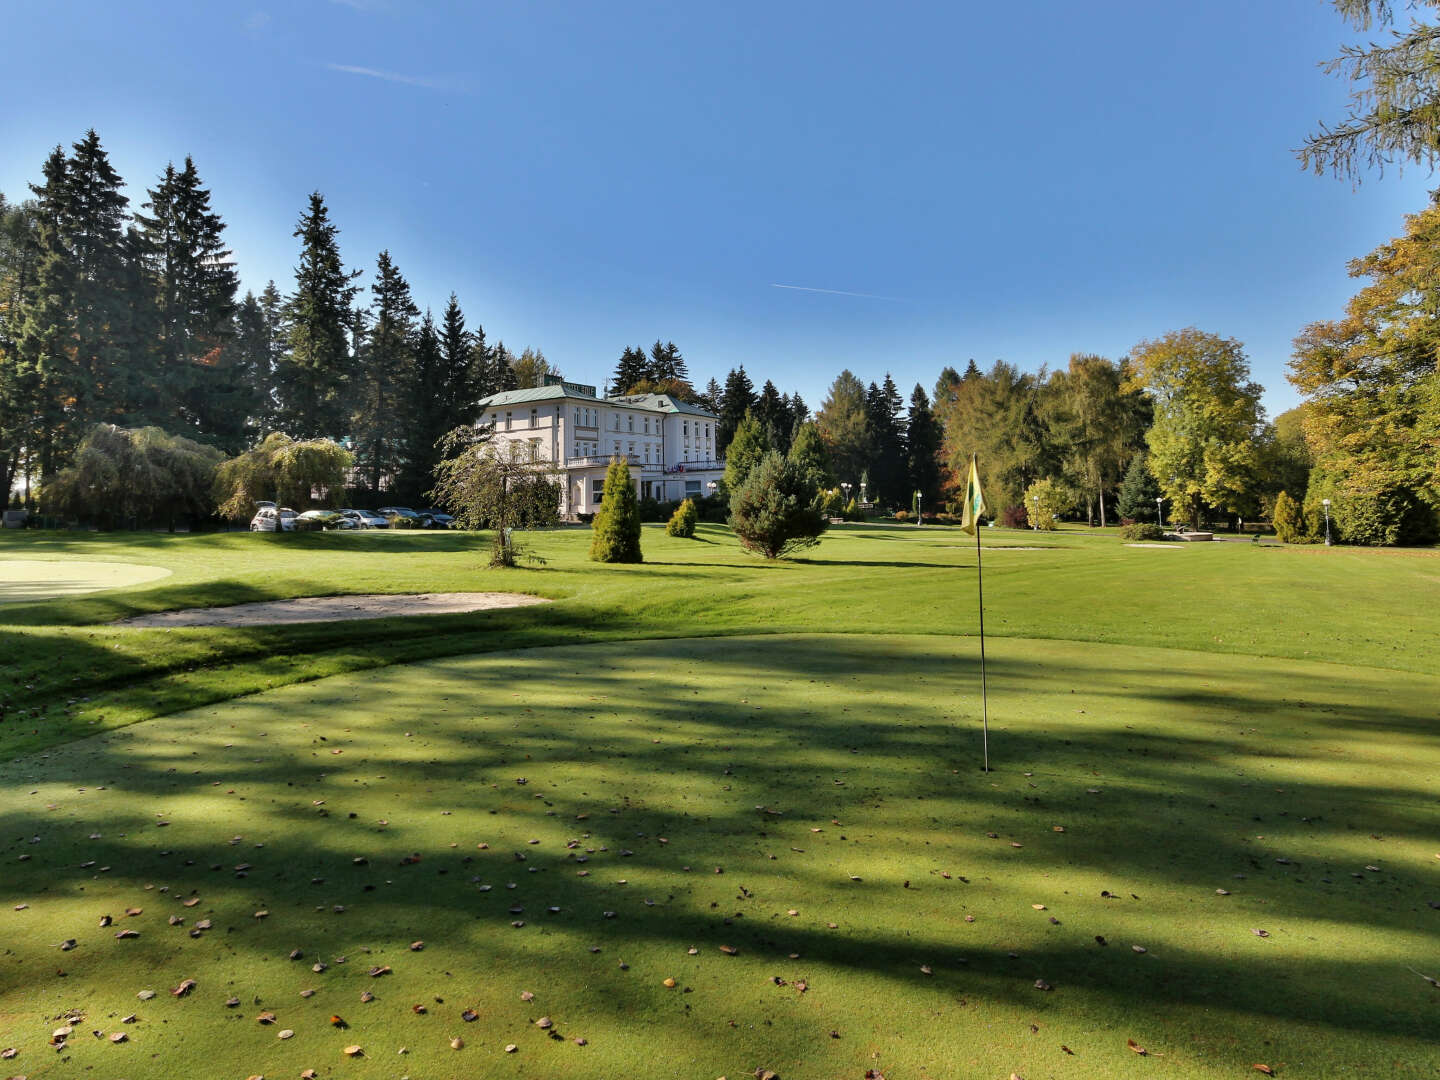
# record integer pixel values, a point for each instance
(241, 407)
(773, 417)
(746, 449)
(888, 470)
(272, 306)
(632, 368)
(425, 413)
(713, 397)
(460, 390)
(19, 388)
(316, 372)
(739, 398)
(194, 283)
(922, 448)
(502, 369)
(666, 363)
(75, 335)
(385, 372)
(844, 426)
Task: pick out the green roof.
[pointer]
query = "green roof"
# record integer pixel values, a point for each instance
(516, 397)
(664, 403)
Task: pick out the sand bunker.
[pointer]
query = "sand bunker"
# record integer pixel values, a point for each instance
(307, 609)
(26, 580)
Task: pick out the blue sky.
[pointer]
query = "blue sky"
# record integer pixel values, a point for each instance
(995, 181)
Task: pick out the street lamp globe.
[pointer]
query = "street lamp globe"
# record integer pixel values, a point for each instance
(1326, 504)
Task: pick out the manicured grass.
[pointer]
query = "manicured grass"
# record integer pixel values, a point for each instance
(795, 764)
(24, 581)
(1185, 717)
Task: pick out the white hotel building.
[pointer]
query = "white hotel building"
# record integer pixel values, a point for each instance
(669, 444)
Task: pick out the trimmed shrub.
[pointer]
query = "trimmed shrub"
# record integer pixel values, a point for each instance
(773, 512)
(1142, 530)
(682, 522)
(1289, 519)
(1014, 517)
(903, 515)
(852, 511)
(616, 530)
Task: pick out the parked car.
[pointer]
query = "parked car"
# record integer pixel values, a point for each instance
(441, 519)
(326, 520)
(415, 520)
(367, 519)
(266, 517)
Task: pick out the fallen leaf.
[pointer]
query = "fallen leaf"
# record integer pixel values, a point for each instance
(416, 946)
(286, 1034)
(126, 934)
(510, 1048)
(8, 1053)
(1266, 1069)
(133, 911)
(457, 1043)
(265, 1018)
(366, 995)
(1041, 984)
(382, 969)
(1138, 948)
(339, 1022)
(669, 983)
(1260, 933)
(145, 995)
(544, 1023)
(469, 1016)
(1133, 1045)
(191, 902)
(730, 950)
(309, 1074)
(353, 1050)
(526, 995)
(184, 988)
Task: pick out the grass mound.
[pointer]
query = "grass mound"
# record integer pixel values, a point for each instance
(814, 860)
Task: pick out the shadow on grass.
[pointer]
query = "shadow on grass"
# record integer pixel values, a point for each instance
(732, 781)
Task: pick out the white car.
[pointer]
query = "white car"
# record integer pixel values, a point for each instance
(265, 518)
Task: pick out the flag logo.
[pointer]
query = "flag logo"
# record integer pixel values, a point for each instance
(975, 507)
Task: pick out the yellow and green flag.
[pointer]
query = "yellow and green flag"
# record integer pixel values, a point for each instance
(975, 506)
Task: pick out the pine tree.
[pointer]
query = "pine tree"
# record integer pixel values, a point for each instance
(615, 532)
(272, 307)
(808, 453)
(241, 407)
(195, 283)
(19, 388)
(460, 384)
(922, 446)
(844, 426)
(384, 374)
(631, 369)
(316, 372)
(739, 398)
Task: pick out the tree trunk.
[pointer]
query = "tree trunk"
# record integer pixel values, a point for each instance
(1102, 508)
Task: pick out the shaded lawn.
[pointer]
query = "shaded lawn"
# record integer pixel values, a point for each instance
(797, 765)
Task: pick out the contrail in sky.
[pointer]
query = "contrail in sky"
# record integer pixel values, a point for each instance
(387, 76)
(833, 292)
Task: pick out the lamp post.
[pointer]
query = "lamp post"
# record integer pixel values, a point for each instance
(846, 485)
(1159, 514)
(1326, 504)
(1035, 518)
(918, 507)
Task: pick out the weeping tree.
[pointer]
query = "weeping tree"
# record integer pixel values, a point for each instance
(489, 485)
(293, 473)
(124, 476)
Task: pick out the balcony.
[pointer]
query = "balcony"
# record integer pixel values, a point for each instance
(693, 466)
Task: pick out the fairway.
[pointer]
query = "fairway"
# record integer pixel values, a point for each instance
(27, 580)
(583, 823)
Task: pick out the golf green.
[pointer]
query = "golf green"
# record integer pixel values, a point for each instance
(707, 856)
(26, 580)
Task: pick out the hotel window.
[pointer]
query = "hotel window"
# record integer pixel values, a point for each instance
(617, 421)
(577, 417)
(647, 453)
(534, 417)
(597, 488)
(507, 421)
(534, 449)
(617, 447)
(631, 451)
(630, 420)
(692, 487)
(686, 426)
(577, 450)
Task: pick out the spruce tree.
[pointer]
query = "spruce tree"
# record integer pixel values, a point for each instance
(615, 532)
(460, 383)
(19, 388)
(316, 372)
(713, 397)
(502, 369)
(1138, 492)
(384, 372)
(773, 417)
(738, 400)
(888, 469)
(631, 369)
(194, 283)
(808, 453)
(74, 337)
(746, 449)
(250, 353)
(424, 414)
(922, 448)
(666, 363)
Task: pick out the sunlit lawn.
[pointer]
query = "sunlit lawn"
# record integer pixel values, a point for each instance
(823, 753)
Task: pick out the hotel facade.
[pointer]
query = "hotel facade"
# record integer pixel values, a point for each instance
(670, 444)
